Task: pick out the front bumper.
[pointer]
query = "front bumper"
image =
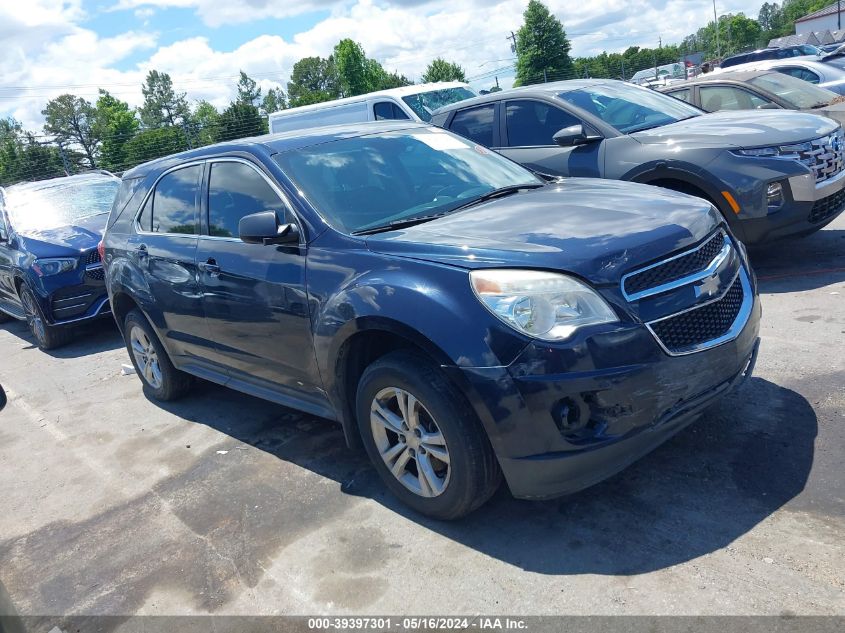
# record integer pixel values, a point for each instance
(807, 208)
(72, 297)
(561, 420)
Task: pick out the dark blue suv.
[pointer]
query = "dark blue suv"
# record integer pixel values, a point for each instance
(459, 317)
(50, 270)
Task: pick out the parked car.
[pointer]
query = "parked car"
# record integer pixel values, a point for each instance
(413, 103)
(610, 129)
(824, 74)
(756, 90)
(50, 270)
(457, 315)
(773, 52)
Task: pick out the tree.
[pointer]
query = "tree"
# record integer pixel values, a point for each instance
(312, 80)
(542, 48)
(154, 143)
(441, 70)
(356, 75)
(116, 124)
(248, 90)
(162, 105)
(72, 120)
(393, 80)
(274, 100)
(22, 157)
(240, 120)
(204, 124)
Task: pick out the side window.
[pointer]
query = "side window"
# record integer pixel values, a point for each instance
(800, 73)
(535, 123)
(236, 190)
(475, 124)
(715, 98)
(683, 95)
(174, 207)
(388, 111)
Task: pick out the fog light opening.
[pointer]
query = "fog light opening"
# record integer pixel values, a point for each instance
(567, 415)
(774, 196)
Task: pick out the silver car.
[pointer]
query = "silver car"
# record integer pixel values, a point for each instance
(809, 69)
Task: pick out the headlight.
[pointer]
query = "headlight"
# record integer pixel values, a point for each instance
(548, 306)
(53, 266)
(788, 152)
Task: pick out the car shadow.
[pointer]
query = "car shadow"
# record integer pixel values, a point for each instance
(696, 494)
(93, 337)
(800, 264)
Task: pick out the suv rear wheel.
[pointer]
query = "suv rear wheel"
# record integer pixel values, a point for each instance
(47, 336)
(161, 379)
(423, 438)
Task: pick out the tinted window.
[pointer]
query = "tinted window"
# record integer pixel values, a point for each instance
(387, 110)
(535, 123)
(800, 94)
(801, 73)
(236, 190)
(683, 95)
(475, 124)
(372, 180)
(174, 202)
(715, 98)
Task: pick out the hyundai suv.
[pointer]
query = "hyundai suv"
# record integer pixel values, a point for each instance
(50, 270)
(457, 316)
(771, 174)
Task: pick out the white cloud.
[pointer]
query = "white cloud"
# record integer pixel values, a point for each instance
(48, 50)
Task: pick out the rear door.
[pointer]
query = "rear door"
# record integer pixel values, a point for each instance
(528, 128)
(254, 297)
(164, 247)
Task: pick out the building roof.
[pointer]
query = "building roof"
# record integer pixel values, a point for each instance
(828, 10)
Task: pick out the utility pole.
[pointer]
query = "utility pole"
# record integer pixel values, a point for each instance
(716, 26)
(512, 38)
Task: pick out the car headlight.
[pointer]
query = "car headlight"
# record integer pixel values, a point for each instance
(547, 306)
(53, 266)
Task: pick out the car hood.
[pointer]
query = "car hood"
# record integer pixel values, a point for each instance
(65, 240)
(598, 229)
(835, 111)
(742, 128)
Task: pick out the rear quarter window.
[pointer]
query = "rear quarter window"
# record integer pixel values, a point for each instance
(126, 202)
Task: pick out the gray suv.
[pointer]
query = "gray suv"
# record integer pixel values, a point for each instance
(770, 173)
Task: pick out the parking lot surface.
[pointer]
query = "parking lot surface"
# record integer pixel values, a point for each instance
(222, 503)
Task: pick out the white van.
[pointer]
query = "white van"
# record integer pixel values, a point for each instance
(415, 102)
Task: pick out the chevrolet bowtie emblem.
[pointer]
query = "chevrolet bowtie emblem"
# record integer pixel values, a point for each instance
(708, 287)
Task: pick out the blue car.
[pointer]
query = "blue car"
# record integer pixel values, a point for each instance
(50, 269)
(460, 318)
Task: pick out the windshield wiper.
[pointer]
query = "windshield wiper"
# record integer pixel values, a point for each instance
(499, 193)
(398, 224)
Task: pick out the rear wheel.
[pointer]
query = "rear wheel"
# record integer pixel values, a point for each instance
(46, 336)
(160, 378)
(423, 438)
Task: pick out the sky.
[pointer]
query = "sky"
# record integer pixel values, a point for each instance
(51, 47)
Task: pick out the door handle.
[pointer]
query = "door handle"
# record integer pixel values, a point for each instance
(209, 266)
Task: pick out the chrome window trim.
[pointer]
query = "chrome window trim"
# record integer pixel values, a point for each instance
(736, 327)
(276, 189)
(670, 285)
(137, 226)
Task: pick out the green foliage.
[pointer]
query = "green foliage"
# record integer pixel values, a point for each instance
(72, 120)
(116, 124)
(542, 48)
(274, 100)
(248, 91)
(778, 20)
(441, 70)
(204, 124)
(240, 120)
(624, 65)
(155, 143)
(312, 80)
(23, 158)
(736, 33)
(162, 105)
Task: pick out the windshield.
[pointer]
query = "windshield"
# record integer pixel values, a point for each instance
(629, 108)
(798, 93)
(424, 103)
(374, 180)
(65, 202)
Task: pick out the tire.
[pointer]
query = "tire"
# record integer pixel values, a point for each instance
(46, 336)
(161, 380)
(463, 471)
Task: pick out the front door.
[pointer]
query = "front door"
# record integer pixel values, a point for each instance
(254, 296)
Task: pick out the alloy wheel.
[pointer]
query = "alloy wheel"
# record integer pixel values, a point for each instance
(146, 357)
(33, 316)
(410, 442)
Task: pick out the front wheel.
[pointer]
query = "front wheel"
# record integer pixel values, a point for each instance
(423, 438)
(46, 336)
(161, 379)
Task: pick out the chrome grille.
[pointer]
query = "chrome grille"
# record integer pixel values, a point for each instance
(825, 156)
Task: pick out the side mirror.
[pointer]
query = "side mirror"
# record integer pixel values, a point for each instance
(2, 398)
(573, 135)
(264, 228)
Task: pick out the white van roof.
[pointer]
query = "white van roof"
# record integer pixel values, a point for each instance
(404, 91)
